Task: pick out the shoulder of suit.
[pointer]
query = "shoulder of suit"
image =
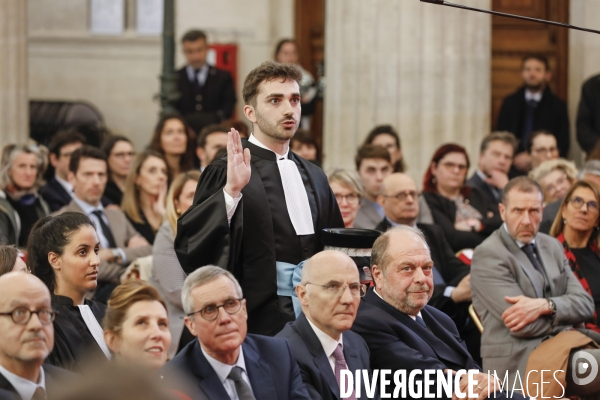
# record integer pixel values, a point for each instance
(261, 342)
(546, 239)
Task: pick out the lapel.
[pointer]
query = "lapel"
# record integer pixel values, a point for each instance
(545, 255)
(259, 373)
(6, 385)
(319, 357)
(316, 189)
(60, 191)
(208, 381)
(255, 189)
(536, 279)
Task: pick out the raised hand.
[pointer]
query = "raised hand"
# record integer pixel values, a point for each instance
(238, 164)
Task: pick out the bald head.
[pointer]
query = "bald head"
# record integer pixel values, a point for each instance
(330, 291)
(399, 199)
(17, 282)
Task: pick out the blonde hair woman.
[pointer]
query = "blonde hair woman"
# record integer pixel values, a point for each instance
(555, 177)
(168, 276)
(348, 190)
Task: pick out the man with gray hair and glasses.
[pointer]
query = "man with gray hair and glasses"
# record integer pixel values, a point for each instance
(226, 362)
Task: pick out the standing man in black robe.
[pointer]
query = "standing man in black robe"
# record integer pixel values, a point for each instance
(259, 211)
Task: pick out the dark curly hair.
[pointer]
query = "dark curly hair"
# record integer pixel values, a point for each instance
(51, 234)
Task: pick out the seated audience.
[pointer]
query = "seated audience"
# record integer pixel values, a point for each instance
(63, 252)
(591, 173)
(21, 170)
(305, 145)
(26, 314)
(167, 274)
(225, 362)
(210, 140)
(451, 293)
(495, 158)
(387, 137)
(136, 325)
(576, 228)
(542, 147)
(175, 141)
(121, 243)
(119, 157)
(373, 165)
(348, 191)
(320, 338)
(401, 330)
(465, 214)
(145, 193)
(524, 291)
(10, 260)
(555, 178)
(58, 191)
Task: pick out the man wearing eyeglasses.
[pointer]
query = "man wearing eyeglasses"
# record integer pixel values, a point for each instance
(452, 292)
(27, 334)
(321, 341)
(226, 362)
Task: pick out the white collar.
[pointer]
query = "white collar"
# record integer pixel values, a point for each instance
(65, 184)
(413, 317)
(329, 344)
(252, 139)
(516, 241)
(223, 369)
(533, 96)
(24, 387)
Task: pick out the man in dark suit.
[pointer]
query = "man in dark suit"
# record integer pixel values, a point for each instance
(225, 362)
(588, 114)
(321, 341)
(401, 330)
(452, 291)
(534, 107)
(207, 94)
(495, 159)
(27, 333)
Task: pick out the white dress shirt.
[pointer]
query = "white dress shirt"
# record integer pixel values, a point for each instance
(24, 387)
(200, 76)
(65, 184)
(537, 96)
(223, 371)
(328, 343)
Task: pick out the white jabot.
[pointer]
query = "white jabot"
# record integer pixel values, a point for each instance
(95, 329)
(294, 191)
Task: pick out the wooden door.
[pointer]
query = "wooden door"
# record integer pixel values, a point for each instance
(512, 39)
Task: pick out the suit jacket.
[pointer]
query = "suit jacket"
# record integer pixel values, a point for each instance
(314, 364)
(270, 364)
(476, 182)
(588, 114)
(549, 215)
(444, 214)
(55, 194)
(367, 216)
(54, 376)
(500, 268)
(550, 114)
(214, 103)
(122, 231)
(10, 222)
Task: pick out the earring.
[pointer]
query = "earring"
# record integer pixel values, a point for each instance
(178, 211)
(564, 221)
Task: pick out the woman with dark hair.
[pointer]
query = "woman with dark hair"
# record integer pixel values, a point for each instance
(387, 137)
(10, 260)
(576, 228)
(119, 156)
(176, 142)
(63, 252)
(145, 192)
(464, 213)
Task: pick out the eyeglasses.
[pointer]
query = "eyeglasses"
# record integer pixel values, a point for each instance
(450, 166)
(336, 289)
(22, 315)
(351, 198)
(402, 196)
(578, 202)
(211, 312)
(124, 154)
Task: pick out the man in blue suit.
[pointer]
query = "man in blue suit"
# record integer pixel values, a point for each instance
(401, 330)
(225, 362)
(321, 341)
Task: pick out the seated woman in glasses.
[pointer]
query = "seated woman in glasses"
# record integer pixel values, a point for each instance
(136, 325)
(576, 227)
(555, 177)
(464, 213)
(10, 260)
(348, 190)
(63, 252)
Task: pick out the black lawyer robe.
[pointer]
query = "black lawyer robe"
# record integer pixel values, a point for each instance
(260, 232)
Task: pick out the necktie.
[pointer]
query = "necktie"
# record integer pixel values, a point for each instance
(528, 126)
(529, 249)
(39, 394)
(105, 229)
(421, 322)
(296, 198)
(241, 387)
(94, 327)
(340, 364)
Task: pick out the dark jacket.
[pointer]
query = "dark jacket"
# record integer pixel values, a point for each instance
(55, 194)
(55, 379)
(271, 367)
(476, 182)
(10, 223)
(550, 114)
(588, 114)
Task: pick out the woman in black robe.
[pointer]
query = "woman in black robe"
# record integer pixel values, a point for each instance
(63, 253)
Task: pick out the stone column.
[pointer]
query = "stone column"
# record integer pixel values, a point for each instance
(14, 104)
(421, 67)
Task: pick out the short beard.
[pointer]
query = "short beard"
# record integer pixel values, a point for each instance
(271, 130)
(534, 88)
(403, 303)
